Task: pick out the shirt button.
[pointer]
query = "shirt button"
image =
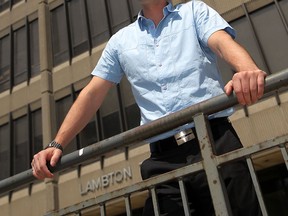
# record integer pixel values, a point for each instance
(160, 65)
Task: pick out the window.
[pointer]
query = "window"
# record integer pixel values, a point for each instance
(21, 145)
(119, 14)
(59, 35)
(135, 8)
(15, 1)
(34, 48)
(98, 21)
(19, 140)
(110, 114)
(78, 26)
(4, 151)
(245, 36)
(20, 56)
(4, 63)
(89, 134)
(62, 107)
(272, 36)
(132, 115)
(37, 136)
(284, 8)
(4, 4)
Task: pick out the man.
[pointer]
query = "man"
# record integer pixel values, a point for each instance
(168, 55)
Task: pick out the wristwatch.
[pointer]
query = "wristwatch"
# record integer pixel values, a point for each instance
(54, 144)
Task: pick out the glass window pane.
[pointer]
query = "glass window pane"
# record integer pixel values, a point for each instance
(4, 63)
(136, 7)
(59, 35)
(37, 136)
(15, 1)
(34, 48)
(89, 134)
(133, 116)
(272, 36)
(110, 114)
(4, 151)
(111, 125)
(20, 55)
(62, 107)
(119, 14)
(78, 26)
(21, 146)
(284, 8)
(98, 21)
(246, 38)
(4, 4)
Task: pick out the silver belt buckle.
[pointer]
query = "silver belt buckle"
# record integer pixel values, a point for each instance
(184, 136)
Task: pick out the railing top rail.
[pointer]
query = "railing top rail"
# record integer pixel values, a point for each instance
(141, 133)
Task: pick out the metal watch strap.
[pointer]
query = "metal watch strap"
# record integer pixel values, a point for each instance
(54, 144)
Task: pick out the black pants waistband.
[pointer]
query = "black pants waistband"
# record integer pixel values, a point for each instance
(170, 143)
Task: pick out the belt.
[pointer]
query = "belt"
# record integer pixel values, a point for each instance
(182, 137)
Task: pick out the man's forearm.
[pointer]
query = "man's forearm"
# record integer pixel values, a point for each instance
(233, 53)
(86, 105)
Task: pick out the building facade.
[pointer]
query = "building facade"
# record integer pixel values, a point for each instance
(48, 49)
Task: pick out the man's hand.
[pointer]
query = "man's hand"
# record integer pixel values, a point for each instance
(247, 85)
(39, 167)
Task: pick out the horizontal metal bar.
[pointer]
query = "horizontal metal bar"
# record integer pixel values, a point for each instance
(141, 133)
(249, 150)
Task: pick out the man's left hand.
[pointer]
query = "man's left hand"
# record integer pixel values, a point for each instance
(247, 85)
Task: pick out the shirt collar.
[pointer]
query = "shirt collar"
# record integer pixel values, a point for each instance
(169, 8)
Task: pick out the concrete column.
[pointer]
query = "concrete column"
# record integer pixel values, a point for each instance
(47, 96)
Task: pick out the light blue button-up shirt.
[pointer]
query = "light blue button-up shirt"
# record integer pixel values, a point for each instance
(169, 66)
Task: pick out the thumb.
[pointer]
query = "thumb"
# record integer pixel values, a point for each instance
(55, 157)
(228, 87)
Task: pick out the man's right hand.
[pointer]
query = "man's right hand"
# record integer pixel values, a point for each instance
(39, 167)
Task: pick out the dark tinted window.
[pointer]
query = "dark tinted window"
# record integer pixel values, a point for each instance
(4, 63)
(4, 151)
(20, 55)
(21, 146)
(59, 35)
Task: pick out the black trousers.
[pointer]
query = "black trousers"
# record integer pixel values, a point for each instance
(166, 157)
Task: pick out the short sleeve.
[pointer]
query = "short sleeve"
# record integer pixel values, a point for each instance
(208, 21)
(108, 66)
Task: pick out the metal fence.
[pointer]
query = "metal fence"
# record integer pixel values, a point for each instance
(197, 113)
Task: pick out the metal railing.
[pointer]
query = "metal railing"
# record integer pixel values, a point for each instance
(196, 113)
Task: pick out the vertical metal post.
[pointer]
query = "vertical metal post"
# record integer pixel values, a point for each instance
(257, 187)
(184, 197)
(155, 202)
(103, 209)
(128, 205)
(284, 154)
(216, 185)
